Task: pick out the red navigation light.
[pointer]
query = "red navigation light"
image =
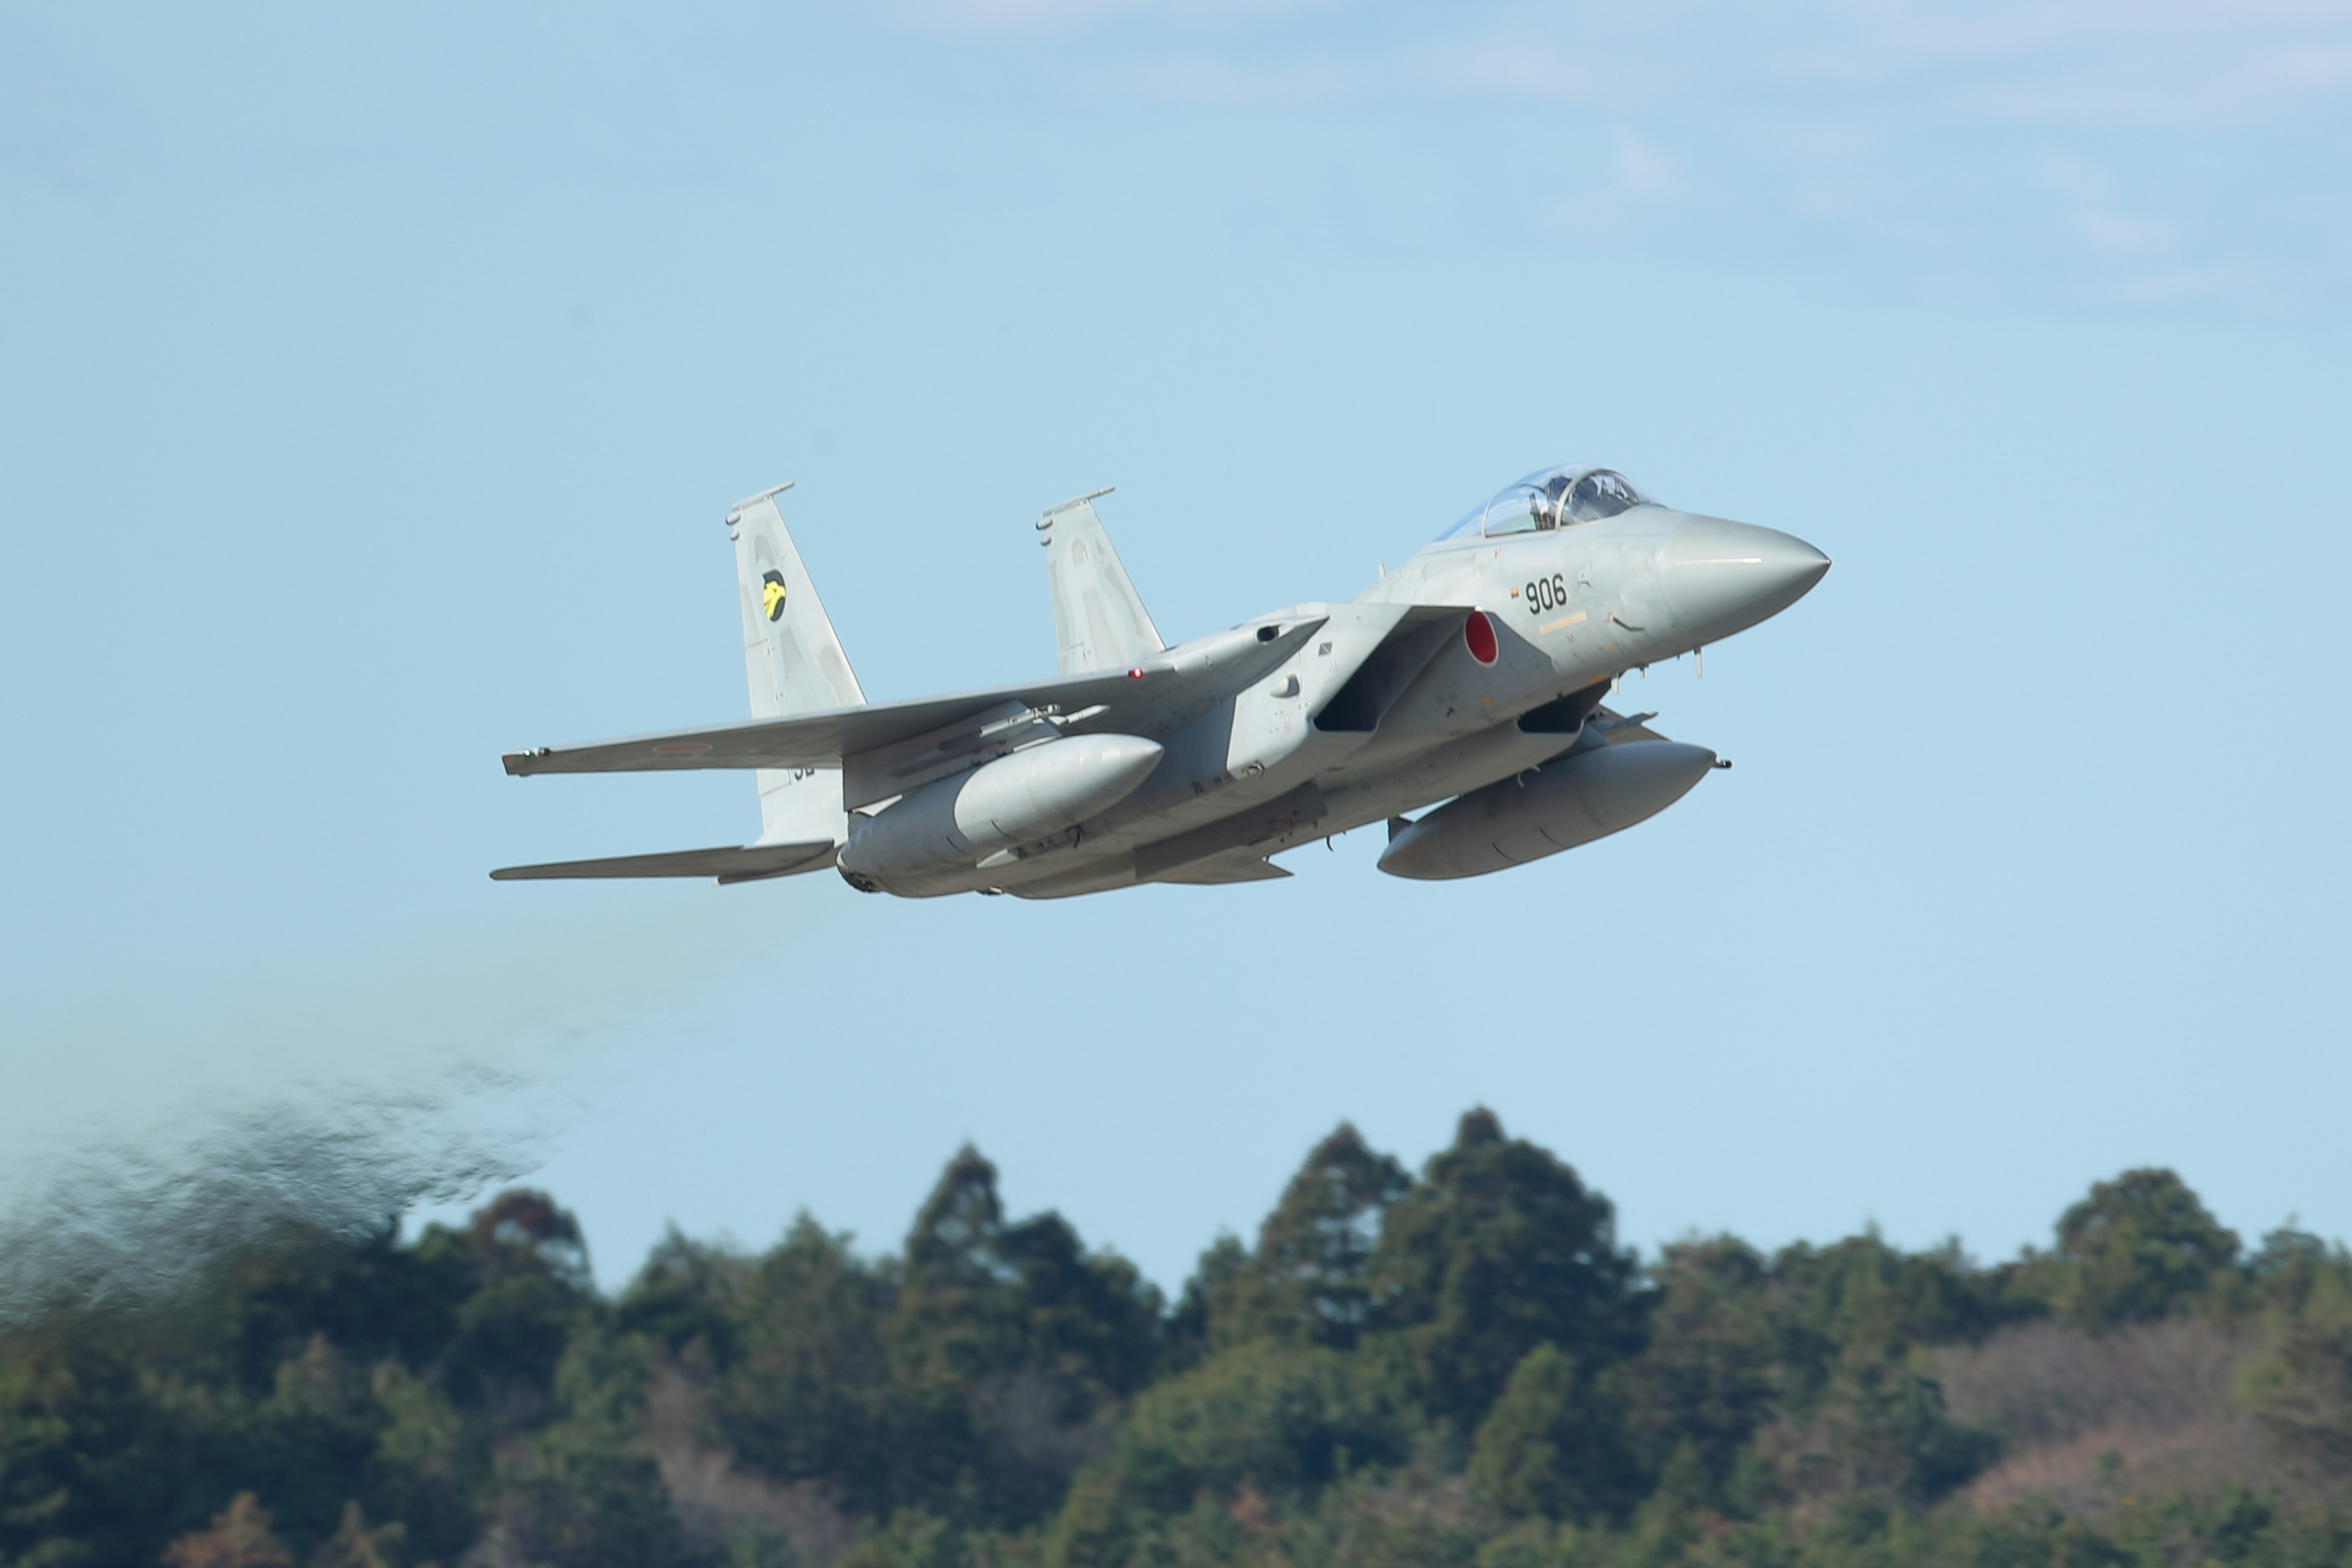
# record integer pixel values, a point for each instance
(1136, 674)
(1478, 636)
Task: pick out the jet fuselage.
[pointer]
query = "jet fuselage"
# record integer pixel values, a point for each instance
(1565, 610)
(1473, 676)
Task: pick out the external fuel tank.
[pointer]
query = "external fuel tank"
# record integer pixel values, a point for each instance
(1013, 801)
(1572, 800)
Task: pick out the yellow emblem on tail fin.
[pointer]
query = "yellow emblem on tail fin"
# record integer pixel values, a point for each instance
(771, 594)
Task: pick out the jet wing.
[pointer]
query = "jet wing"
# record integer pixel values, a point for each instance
(729, 864)
(1166, 692)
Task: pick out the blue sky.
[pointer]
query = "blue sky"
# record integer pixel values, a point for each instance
(375, 385)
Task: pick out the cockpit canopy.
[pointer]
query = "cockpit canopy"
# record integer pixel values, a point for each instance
(1555, 498)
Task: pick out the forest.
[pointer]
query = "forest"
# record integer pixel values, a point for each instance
(1462, 1366)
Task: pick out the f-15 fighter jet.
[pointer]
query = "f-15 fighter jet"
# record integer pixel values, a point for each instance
(1472, 677)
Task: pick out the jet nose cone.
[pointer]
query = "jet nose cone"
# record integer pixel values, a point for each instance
(1721, 577)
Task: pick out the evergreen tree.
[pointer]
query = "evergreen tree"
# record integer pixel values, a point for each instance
(1710, 1373)
(687, 1290)
(1308, 1281)
(2135, 1248)
(528, 1267)
(809, 1395)
(585, 1490)
(1552, 1445)
(1500, 1248)
(2302, 1390)
(958, 1311)
(1461, 1371)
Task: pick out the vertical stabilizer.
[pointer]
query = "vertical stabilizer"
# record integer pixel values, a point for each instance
(1099, 621)
(795, 664)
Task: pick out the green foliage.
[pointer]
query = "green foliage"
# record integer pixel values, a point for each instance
(582, 1490)
(2302, 1393)
(1308, 1283)
(373, 1301)
(1276, 1418)
(1713, 1368)
(686, 1292)
(1878, 1435)
(1414, 1519)
(1462, 1369)
(1861, 1292)
(1500, 1248)
(1007, 1341)
(912, 1537)
(1553, 1445)
(809, 1394)
(2137, 1248)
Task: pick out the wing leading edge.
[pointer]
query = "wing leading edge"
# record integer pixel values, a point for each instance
(1170, 690)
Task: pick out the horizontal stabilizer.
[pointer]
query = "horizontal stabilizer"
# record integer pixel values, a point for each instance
(729, 864)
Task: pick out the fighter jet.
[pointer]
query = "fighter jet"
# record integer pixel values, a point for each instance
(1470, 681)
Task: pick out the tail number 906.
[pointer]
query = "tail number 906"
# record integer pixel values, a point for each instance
(1546, 594)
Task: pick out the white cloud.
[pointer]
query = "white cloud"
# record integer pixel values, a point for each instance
(1052, 16)
(2094, 61)
(2099, 138)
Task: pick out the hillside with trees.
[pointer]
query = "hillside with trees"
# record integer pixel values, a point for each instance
(1461, 1367)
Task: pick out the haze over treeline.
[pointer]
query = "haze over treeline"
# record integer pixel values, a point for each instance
(1461, 1367)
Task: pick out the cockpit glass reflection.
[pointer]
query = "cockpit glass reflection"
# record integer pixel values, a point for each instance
(1555, 498)
(1602, 493)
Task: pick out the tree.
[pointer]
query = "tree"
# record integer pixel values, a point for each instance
(584, 1491)
(957, 1316)
(2302, 1390)
(688, 1290)
(809, 1394)
(2290, 1265)
(1277, 1417)
(1090, 1319)
(2135, 1248)
(374, 1299)
(111, 1444)
(240, 1537)
(1551, 1445)
(522, 1231)
(1707, 1378)
(1878, 1434)
(1308, 1281)
(528, 1266)
(1499, 1249)
(355, 1545)
(1198, 1311)
(426, 1464)
(1861, 1293)
(1009, 1339)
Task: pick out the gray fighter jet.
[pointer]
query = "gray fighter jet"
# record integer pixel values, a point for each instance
(1472, 677)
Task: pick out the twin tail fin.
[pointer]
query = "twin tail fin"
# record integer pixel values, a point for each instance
(794, 664)
(1099, 621)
